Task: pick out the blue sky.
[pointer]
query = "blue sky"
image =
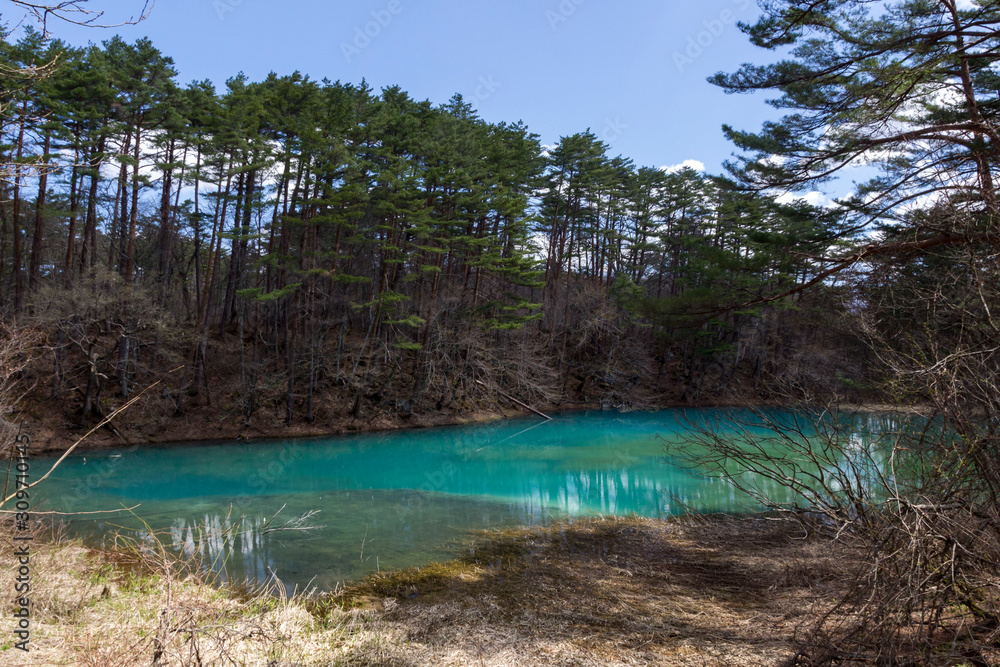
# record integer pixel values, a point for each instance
(632, 71)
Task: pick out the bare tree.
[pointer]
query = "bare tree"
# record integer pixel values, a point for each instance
(76, 12)
(16, 346)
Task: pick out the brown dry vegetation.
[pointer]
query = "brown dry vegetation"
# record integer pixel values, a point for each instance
(715, 591)
(106, 610)
(697, 591)
(67, 361)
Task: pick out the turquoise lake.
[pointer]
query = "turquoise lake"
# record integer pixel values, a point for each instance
(383, 500)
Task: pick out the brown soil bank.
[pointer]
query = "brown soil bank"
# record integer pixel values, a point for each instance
(709, 591)
(50, 436)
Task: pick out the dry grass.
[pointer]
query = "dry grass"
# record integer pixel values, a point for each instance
(102, 609)
(610, 592)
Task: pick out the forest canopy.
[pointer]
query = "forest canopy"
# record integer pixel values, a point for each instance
(363, 239)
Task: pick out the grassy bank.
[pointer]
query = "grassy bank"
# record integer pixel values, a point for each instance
(705, 591)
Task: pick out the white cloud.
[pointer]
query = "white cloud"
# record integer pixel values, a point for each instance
(814, 198)
(697, 165)
(773, 160)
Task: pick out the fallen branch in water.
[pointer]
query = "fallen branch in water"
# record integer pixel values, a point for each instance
(89, 433)
(514, 400)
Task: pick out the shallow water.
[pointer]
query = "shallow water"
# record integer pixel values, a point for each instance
(383, 500)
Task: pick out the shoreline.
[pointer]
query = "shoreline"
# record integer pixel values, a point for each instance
(47, 440)
(683, 591)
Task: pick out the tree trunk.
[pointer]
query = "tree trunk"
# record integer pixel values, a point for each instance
(73, 213)
(38, 238)
(88, 251)
(16, 224)
(234, 261)
(134, 213)
(166, 233)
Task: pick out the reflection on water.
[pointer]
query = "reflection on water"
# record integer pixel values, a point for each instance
(387, 500)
